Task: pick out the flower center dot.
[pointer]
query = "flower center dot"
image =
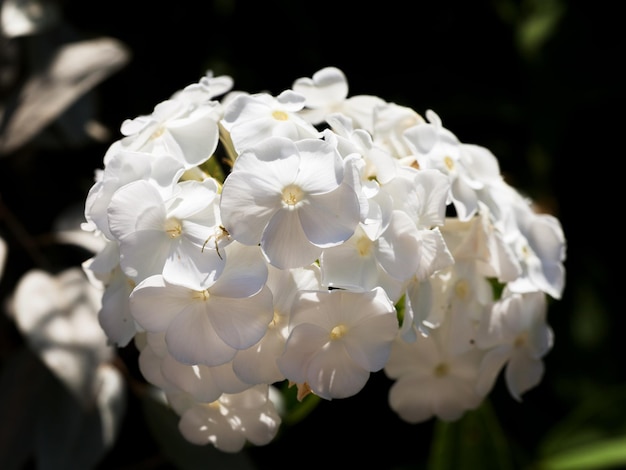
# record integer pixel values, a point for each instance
(449, 163)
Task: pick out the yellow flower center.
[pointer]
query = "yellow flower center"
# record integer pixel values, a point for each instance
(462, 289)
(202, 295)
(525, 252)
(158, 133)
(275, 320)
(173, 227)
(521, 340)
(364, 245)
(280, 115)
(442, 369)
(292, 195)
(449, 163)
(338, 332)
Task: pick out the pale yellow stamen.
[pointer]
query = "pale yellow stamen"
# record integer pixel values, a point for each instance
(275, 319)
(525, 251)
(520, 341)
(202, 295)
(214, 404)
(364, 246)
(158, 133)
(303, 391)
(280, 115)
(462, 289)
(173, 227)
(449, 163)
(292, 195)
(337, 332)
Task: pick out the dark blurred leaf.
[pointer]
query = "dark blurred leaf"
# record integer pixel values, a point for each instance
(25, 17)
(42, 422)
(163, 424)
(68, 435)
(73, 70)
(21, 381)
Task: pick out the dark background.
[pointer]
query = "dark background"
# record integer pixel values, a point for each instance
(552, 114)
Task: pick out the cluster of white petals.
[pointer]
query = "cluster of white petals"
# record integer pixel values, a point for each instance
(316, 238)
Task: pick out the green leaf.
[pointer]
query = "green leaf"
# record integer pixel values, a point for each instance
(607, 453)
(474, 441)
(601, 416)
(592, 436)
(296, 411)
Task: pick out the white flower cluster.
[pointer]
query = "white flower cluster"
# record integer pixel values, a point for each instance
(315, 237)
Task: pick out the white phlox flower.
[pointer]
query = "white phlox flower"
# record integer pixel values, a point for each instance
(114, 315)
(380, 166)
(516, 337)
(422, 194)
(355, 265)
(257, 364)
(173, 236)
(436, 147)
(536, 240)
(481, 166)
(103, 270)
(209, 326)
(185, 130)
(324, 93)
(203, 383)
(291, 198)
(249, 119)
(430, 380)
(420, 197)
(126, 167)
(462, 295)
(460, 292)
(206, 89)
(390, 122)
(540, 247)
(428, 302)
(372, 166)
(482, 239)
(337, 338)
(313, 238)
(420, 313)
(100, 268)
(231, 421)
(327, 93)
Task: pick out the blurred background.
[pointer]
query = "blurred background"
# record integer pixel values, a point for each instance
(538, 82)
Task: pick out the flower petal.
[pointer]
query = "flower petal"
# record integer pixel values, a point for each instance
(285, 244)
